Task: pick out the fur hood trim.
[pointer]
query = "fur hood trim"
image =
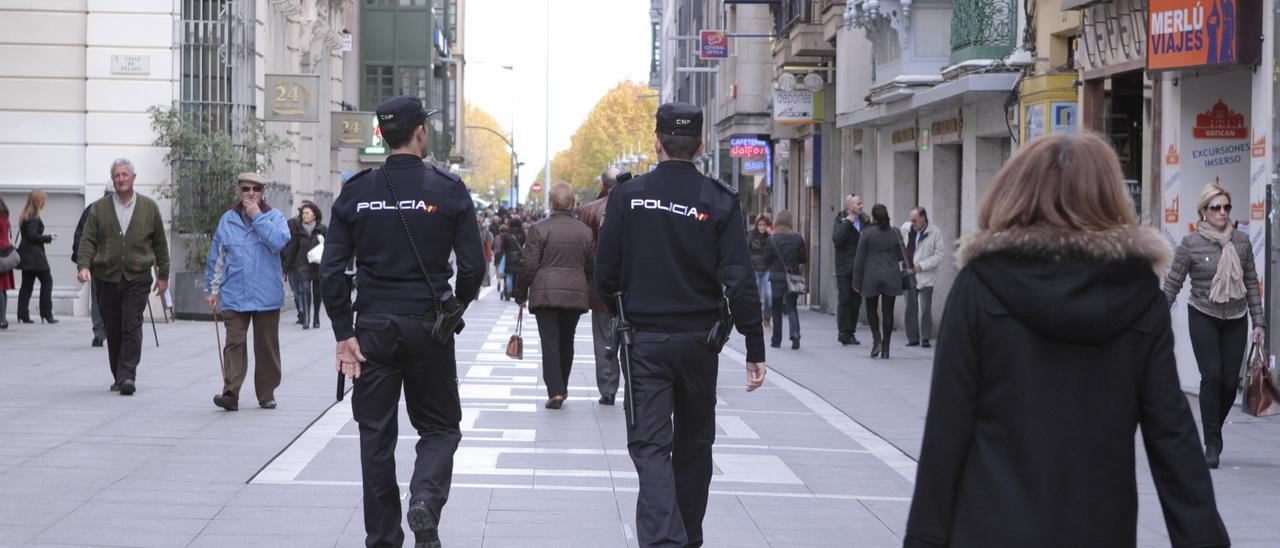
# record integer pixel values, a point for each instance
(1112, 245)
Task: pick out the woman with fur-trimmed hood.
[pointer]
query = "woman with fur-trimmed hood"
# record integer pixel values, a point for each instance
(1056, 346)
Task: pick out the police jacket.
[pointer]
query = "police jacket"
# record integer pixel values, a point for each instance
(365, 222)
(675, 242)
(243, 267)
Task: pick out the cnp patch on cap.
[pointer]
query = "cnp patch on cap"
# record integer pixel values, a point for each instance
(402, 112)
(680, 119)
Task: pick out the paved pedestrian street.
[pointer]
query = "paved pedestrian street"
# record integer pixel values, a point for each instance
(822, 455)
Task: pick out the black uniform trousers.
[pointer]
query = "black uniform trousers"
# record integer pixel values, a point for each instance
(121, 304)
(847, 305)
(400, 351)
(672, 373)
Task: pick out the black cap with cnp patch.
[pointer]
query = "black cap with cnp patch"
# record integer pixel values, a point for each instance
(402, 112)
(680, 119)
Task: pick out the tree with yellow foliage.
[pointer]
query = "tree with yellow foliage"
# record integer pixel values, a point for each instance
(621, 123)
(488, 157)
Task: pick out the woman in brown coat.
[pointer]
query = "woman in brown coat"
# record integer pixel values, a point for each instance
(552, 279)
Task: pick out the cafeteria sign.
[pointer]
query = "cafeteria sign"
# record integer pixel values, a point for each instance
(1204, 33)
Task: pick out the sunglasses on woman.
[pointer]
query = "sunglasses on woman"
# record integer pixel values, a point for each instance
(1220, 207)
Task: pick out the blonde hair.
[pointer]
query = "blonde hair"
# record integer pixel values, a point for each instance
(1211, 191)
(562, 198)
(1063, 180)
(35, 204)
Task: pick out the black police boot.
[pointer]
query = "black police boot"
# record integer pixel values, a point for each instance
(425, 525)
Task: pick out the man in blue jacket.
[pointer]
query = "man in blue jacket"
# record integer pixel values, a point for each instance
(244, 280)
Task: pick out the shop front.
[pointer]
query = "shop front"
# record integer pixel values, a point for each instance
(1216, 111)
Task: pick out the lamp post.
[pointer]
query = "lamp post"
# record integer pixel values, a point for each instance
(515, 161)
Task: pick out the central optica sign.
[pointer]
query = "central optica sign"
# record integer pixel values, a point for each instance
(1203, 33)
(714, 44)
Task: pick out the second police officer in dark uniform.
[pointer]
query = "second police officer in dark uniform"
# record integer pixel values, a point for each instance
(401, 222)
(674, 242)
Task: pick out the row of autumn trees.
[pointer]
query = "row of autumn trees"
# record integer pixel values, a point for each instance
(621, 123)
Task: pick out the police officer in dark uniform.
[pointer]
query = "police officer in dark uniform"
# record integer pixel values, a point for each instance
(674, 243)
(398, 221)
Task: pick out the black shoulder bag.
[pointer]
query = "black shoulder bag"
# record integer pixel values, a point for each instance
(448, 311)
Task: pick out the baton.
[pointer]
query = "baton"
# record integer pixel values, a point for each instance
(342, 385)
(154, 334)
(624, 358)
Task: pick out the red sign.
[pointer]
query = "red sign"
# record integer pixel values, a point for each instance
(715, 45)
(535, 188)
(1198, 33)
(1220, 122)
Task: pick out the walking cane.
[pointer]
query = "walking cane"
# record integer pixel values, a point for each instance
(217, 333)
(155, 335)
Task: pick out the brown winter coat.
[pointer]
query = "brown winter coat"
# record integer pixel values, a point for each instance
(592, 215)
(558, 257)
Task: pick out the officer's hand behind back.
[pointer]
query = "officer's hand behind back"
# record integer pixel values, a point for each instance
(755, 375)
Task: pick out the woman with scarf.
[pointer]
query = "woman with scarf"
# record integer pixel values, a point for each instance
(306, 231)
(1224, 297)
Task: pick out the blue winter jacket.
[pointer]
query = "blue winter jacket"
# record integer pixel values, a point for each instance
(244, 262)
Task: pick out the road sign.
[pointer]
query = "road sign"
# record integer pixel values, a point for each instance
(535, 188)
(715, 45)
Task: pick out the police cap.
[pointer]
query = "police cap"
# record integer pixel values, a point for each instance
(680, 119)
(402, 112)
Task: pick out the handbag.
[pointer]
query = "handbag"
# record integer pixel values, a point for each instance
(9, 259)
(515, 346)
(1261, 396)
(316, 252)
(796, 283)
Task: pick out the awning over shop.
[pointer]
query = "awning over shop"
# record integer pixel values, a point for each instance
(1072, 5)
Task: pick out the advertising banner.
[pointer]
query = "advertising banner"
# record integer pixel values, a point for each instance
(1203, 33)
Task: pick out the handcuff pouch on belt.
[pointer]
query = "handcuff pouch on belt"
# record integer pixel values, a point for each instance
(720, 331)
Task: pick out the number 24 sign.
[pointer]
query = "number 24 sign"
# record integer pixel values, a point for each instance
(292, 98)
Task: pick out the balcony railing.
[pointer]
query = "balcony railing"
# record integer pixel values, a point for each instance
(983, 29)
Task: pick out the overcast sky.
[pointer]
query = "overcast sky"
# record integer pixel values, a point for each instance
(595, 44)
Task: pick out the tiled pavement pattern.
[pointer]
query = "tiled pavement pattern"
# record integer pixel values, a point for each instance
(821, 456)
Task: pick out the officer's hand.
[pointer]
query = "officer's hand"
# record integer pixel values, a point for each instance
(349, 358)
(212, 301)
(755, 375)
(84, 276)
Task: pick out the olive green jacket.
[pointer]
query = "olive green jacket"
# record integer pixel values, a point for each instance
(113, 256)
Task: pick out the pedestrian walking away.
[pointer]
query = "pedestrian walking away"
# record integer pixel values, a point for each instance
(244, 283)
(845, 235)
(8, 261)
(306, 232)
(124, 239)
(512, 255)
(673, 246)
(607, 371)
(95, 314)
(878, 277)
(1225, 297)
(757, 244)
(553, 280)
(924, 250)
(34, 263)
(1058, 347)
(403, 335)
(786, 254)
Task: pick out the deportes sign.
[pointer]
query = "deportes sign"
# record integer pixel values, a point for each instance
(1203, 33)
(715, 45)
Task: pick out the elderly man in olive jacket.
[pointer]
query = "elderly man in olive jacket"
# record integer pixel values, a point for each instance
(123, 240)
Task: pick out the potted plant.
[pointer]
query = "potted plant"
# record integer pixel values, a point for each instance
(205, 159)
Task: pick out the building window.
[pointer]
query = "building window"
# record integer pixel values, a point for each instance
(412, 81)
(379, 84)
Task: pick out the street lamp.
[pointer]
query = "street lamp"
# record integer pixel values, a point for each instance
(515, 162)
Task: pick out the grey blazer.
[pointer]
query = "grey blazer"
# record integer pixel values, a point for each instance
(1198, 257)
(877, 270)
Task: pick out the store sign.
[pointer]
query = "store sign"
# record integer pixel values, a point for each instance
(793, 107)
(1063, 117)
(714, 45)
(1203, 33)
(352, 129)
(1112, 34)
(292, 98)
(947, 127)
(1220, 122)
(748, 147)
(905, 135)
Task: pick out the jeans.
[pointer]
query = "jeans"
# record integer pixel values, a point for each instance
(1219, 347)
(301, 291)
(766, 291)
(784, 302)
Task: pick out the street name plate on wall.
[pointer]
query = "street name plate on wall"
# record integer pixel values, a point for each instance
(131, 64)
(292, 98)
(352, 130)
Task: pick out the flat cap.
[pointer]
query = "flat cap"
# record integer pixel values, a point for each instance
(249, 177)
(680, 119)
(402, 112)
